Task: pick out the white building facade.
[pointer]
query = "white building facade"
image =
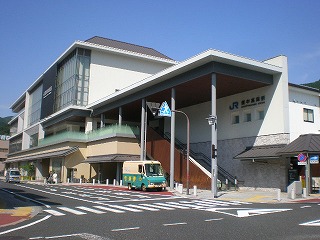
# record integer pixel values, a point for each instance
(87, 113)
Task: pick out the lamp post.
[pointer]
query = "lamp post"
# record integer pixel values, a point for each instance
(188, 147)
(212, 121)
(165, 111)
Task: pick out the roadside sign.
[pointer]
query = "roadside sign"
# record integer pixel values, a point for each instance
(302, 159)
(314, 159)
(165, 110)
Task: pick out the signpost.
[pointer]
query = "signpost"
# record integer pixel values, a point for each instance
(165, 111)
(303, 160)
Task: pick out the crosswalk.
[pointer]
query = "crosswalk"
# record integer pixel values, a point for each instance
(137, 208)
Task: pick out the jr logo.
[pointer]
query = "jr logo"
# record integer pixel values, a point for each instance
(235, 105)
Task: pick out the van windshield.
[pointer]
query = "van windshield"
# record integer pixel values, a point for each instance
(153, 170)
(16, 173)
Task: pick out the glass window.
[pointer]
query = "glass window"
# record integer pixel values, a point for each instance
(72, 84)
(260, 114)
(247, 116)
(153, 170)
(235, 117)
(35, 106)
(308, 115)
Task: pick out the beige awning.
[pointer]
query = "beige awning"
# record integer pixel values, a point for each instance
(60, 152)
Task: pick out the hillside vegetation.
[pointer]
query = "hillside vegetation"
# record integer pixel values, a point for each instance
(315, 84)
(4, 127)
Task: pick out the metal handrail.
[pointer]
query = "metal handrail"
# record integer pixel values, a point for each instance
(203, 159)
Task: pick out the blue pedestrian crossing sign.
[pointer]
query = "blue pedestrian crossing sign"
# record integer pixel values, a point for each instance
(164, 110)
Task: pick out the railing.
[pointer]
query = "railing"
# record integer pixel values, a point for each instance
(203, 159)
(102, 133)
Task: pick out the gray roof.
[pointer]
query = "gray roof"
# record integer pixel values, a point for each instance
(261, 152)
(307, 143)
(112, 158)
(126, 46)
(43, 155)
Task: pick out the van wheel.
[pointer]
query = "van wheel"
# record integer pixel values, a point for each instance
(143, 188)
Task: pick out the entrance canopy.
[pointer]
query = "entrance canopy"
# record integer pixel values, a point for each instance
(60, 152)
(307, 143)
(112, 158)
(261, 152)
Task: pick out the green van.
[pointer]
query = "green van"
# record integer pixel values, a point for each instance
(143, 175)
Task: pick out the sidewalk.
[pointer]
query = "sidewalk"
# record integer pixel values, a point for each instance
(254, 196)
(13, 211)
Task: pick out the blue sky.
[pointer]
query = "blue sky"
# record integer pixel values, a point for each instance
(34, 33)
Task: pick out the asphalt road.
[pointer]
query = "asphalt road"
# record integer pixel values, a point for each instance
(74, 212)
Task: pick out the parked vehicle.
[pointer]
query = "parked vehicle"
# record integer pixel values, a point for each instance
(143, 175)
(13, 175)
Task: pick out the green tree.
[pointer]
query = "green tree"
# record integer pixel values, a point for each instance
(30, 169)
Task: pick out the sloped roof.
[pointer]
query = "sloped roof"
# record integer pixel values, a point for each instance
(112, 158)
(307, 143)
(261, 152)
(126, 46)
(61, 152)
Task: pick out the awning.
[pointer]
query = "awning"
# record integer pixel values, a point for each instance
(112, 158)
(261, 152)
(307, 143)
(61, 152)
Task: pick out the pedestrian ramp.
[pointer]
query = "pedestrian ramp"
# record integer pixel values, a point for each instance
(142, 207)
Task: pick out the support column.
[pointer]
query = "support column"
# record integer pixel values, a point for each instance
(143, 114)
(173, 135)
(102, 118)
(118, 173)
(120, 116)
(214, 140)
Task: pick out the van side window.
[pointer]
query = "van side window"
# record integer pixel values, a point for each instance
(140, 169)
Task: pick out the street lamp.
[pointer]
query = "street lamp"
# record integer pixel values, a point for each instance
(165, 111)
(212, 121)
(188, 147)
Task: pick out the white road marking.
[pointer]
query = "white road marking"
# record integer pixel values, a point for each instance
(54, 212)
(213, 219)
(126, 208)
(28, 225)
(174, 224)
(109, 209)
(177, 205)
(142, 207)
(157, 206)
(305, 206)
(315, 223)
(90, 210)
(124, 229)
(70, 210)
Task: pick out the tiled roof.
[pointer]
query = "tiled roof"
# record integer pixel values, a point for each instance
(307, 143)
(261, 152)
(126, 46)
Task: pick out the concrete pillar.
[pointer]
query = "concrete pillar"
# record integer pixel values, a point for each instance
(214, 140)
(120, 116)
(142, 142)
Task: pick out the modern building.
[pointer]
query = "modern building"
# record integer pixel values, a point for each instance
(4, 149)
(96, 106)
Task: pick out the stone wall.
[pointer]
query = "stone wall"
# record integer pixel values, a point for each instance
(254, 174)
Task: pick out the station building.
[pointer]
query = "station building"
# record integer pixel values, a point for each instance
(94, 108)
